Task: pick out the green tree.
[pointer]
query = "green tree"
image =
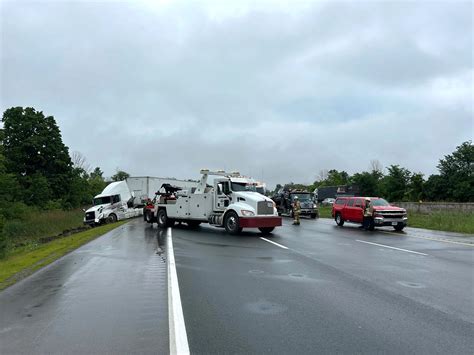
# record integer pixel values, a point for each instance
(333, 178)
(120, 175)
(435, 188)
(33, 148)
(457, 172)
(97, 173)
(368, 183)
(395, 183)
(416, 187)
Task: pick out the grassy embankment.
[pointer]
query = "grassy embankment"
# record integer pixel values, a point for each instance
(41, 238)
(459, 222)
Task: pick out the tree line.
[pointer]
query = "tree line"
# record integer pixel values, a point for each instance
(453, 182)
(36, 168)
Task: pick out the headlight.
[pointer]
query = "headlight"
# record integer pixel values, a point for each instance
(315, 205)
(247, 213)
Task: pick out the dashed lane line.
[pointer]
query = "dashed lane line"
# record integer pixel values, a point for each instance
(177, 328)
(387, 246)
(275, 243)
(428, 238)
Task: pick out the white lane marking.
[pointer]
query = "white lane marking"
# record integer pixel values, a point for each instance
(278, 245)
(428, 238)
(387, 246)
(178, 337)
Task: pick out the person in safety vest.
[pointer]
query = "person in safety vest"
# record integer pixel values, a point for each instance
(368, 222)
(296, 211)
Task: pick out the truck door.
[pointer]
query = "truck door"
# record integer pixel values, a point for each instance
(358, 210)
(221, 200)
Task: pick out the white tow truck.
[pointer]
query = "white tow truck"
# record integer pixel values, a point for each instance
(231, 202)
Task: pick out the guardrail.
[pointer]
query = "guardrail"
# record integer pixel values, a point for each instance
(428, 207)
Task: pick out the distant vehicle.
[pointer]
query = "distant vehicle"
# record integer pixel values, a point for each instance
(328, 201)
(114, 203)
(325, 192)
(284, 202)
(351, 209)
(232, 202)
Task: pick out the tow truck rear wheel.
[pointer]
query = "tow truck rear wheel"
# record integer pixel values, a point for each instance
(149, 216)
(163, 220)
(231, 223)
(339, 220)
(266, 230)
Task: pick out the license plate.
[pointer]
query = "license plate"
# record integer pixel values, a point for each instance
(394, 223)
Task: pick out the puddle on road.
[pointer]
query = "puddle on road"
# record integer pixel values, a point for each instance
(265, 307)
(411, 284)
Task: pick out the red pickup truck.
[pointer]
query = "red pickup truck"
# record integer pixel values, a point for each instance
(351, 209)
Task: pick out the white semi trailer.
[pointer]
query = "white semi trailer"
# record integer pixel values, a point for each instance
(230, 202)
(114, 203)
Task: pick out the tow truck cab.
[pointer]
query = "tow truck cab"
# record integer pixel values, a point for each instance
(231, 202)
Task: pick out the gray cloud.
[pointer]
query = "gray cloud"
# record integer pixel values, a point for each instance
(278, 90)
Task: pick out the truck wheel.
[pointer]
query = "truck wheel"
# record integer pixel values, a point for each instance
(266, 230)
(149, 217)
(339, 220)
(193, 224)
(313, 215)
(399, 227)
(162, 219)
(231, 223)
(112, 218)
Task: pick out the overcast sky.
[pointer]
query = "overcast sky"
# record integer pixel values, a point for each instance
(277, 90)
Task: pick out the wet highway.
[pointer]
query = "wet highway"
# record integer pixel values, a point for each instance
(316, 288)
(324, 289)
(109, 296)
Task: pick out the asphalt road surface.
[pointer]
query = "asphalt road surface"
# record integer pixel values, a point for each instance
(328, 292)
(316, 288)
(109, 296)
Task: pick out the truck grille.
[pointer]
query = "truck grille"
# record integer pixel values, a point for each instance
(391, 214)
(264, 207)
(90, 216)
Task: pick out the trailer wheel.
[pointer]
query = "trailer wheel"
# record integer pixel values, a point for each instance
(231, 223)
(339, 220)
(112, 218)
(266, 230)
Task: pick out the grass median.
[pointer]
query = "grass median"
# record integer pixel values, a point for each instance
(24, 262)
(458, 222)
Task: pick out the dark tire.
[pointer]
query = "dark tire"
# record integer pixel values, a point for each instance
(193, 224)
(266, 230)
(399, 227)
(313, 215)
(162, 218)
(339, 220)
(149, 216)
(231, 223)
(112, 218)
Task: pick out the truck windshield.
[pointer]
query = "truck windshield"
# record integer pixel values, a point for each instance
(241, 186)
(302, 197)
(102, 200)
(379, 202)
